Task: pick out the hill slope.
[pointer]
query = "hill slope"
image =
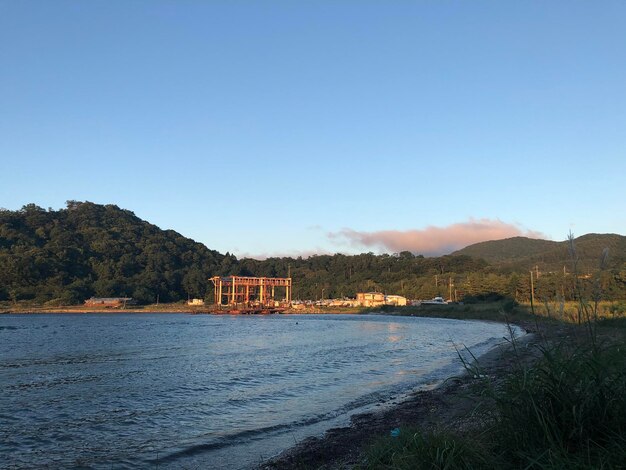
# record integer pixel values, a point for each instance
(508, 250)
(89, 249)
(521, 253)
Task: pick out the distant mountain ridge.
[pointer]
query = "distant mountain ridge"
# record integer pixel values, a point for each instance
(522, 251)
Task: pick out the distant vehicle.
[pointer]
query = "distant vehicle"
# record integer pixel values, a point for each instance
(435, 301)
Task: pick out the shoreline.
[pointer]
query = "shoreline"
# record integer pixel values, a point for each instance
(167, 308)
(446, 406)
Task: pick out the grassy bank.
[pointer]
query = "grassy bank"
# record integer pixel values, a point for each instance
(566, 409)
(500, 311)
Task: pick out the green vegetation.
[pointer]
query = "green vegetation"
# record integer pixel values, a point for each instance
(509, 250)
(521, 253)
(66, 256)
(504, 310)
(414, 450)
(566, 409)
(63, 257)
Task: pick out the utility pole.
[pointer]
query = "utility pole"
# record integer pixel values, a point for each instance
(450, 288)
(532, 293)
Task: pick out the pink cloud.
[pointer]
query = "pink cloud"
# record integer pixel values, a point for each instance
(433, 241)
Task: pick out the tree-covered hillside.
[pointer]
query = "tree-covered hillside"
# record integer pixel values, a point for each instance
(520, 253)
(508, 250)
(89, 249)
(86, 249)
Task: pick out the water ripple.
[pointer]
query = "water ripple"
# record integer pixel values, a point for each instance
(121, 391)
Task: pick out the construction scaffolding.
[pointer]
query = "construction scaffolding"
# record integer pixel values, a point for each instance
(251, 293)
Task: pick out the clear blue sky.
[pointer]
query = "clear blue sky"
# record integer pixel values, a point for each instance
(263, 127)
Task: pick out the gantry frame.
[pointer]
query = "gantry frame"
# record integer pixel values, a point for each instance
(249, 291)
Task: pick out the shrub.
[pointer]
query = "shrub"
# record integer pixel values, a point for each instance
(509, 305)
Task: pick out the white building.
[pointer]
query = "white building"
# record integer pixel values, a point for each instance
(396, 300)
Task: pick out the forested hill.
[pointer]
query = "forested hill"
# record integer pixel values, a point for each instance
(86, 249)
(89, 249)
(520, 252)
(508, 250)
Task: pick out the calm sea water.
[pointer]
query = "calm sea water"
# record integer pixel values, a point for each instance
(182, 391)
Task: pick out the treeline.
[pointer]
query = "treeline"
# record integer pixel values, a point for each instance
(417, 277)
(86, 249)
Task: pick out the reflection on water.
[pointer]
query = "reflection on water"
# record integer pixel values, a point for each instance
(173, 391)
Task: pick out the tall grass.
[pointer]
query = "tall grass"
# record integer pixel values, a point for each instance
(568, 410)
(414, 450)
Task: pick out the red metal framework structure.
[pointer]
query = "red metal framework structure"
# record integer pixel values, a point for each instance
(250, 292)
